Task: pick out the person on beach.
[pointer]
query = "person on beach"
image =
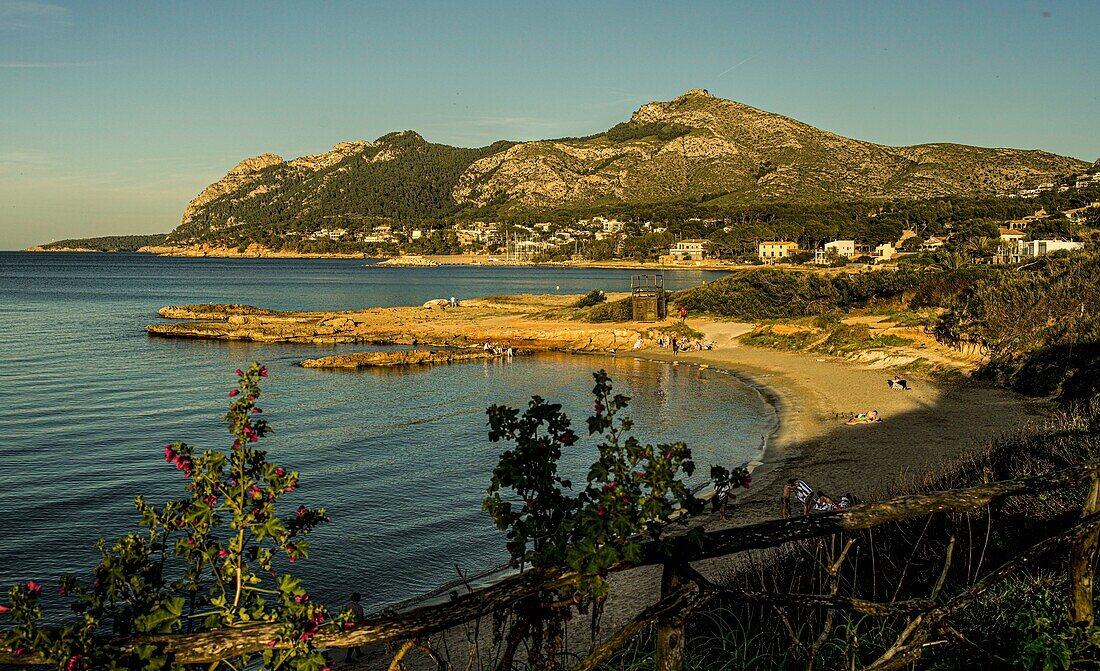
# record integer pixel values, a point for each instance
(822, 502)
(675, 346)
(722, 494)
(864, 418)
(454, 303)
(683, 314)
(802, 493)
(845, 502)
(357, 617)
(899, 384)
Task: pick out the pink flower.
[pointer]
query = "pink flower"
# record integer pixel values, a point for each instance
(599, 407)
(668, 455)
(626, 499)
(252, 397)
(240, 372)
(263, 372)
(34, 588)
(280, 471)
(4, 609)
(349, 625)
(257, 410)
(74, 663)
(271, 643)
(223, 553)
(19, 650)
(169, 453)
(234, 393)
(600, 511)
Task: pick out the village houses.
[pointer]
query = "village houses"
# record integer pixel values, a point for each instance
(773, 250)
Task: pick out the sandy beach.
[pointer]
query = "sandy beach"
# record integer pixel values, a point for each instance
(933, 423)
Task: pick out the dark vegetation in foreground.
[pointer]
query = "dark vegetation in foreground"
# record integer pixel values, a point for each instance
(1021, 623)
(906, 582)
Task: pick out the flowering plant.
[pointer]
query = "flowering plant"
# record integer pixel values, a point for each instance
(209, 560)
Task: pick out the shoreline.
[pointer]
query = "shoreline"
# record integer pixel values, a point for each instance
(812, 395)
(935, 423)
(482, 260)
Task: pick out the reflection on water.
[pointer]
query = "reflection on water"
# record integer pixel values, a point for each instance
(400, 458)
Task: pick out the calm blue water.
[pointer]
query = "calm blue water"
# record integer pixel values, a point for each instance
(400, 459)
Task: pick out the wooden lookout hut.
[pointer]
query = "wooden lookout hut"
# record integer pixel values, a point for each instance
(647, 293)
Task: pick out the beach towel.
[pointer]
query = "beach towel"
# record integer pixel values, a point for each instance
(802, 492)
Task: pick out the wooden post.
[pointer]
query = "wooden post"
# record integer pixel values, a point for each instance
(670, 627)
(1083, 561)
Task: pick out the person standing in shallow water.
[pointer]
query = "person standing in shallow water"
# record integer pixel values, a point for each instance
(358, 617)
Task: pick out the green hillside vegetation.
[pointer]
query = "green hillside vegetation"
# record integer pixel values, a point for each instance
(693, 157)
(776, 294)
(1039, 325)
(110, 243)
(363, 189)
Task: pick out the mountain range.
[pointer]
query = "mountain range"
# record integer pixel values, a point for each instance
(697, 146)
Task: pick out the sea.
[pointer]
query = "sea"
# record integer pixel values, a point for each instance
(399, 458)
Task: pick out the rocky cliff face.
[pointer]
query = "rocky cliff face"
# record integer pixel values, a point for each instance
(727, 147)
(691, 146)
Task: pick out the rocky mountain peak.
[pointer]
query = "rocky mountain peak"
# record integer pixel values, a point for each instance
(255, 164)
(402, 137)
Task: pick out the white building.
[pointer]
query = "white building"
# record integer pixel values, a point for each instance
(884, 252)
(688, 250)
(1029, 249)
(845, 248)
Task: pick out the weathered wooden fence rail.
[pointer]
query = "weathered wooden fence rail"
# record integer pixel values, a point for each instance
(682, 586)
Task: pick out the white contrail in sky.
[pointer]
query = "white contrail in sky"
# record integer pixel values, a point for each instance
(735, 66)
(40, 66)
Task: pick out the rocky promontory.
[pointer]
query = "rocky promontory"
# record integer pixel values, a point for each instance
(529, 322)
(409, 357)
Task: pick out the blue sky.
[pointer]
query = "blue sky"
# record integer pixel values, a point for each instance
(114, 114)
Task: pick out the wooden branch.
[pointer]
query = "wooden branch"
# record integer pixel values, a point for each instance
(395, 665)
(1083, 562)
(670, 626)
(210, 646)
(946, 567)
(907, 649)
(674, 603)
(865, 516)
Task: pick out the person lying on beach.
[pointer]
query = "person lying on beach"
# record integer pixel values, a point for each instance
(898, 384)
(802, 493)
(845, 502)
(822, 503)
(864, 418)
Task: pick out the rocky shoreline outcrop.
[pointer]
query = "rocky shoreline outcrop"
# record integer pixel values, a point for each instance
(410, 357)
(435, 325)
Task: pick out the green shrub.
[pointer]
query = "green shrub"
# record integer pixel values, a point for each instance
(1039, 326)
(778, 294)
(591, 298)
(615, 311)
